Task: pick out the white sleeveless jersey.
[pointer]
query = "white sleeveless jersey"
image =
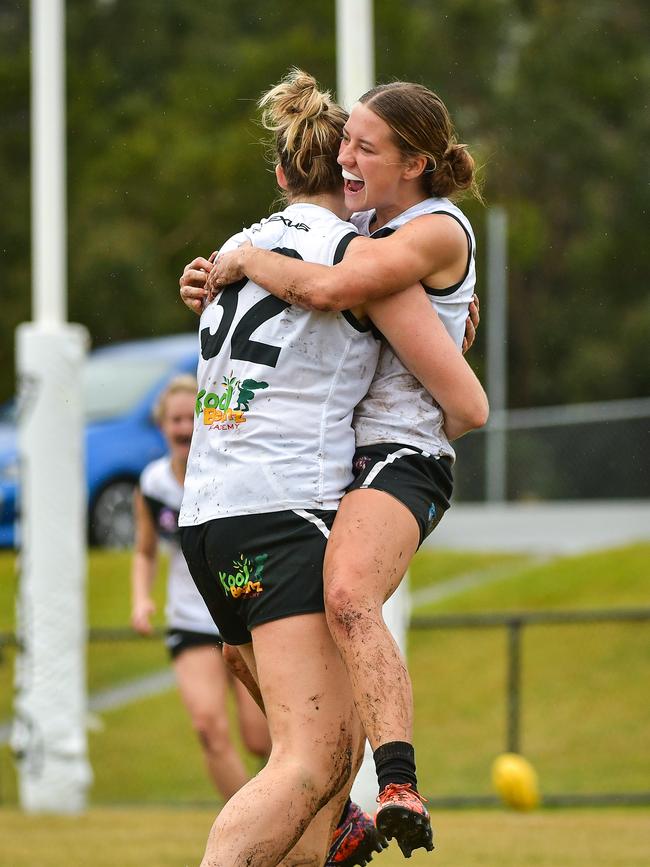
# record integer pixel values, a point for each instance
(162, 493)
(277, 386)
(397, 408)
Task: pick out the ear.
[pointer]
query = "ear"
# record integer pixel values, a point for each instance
(414, 166)
(281, 178)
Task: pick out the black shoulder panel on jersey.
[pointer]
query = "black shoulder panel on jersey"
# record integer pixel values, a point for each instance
(383, 233)
(339, 253)
(470, 252)
(287, 251)
(342, 246)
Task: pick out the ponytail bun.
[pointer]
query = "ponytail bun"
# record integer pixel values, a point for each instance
(455, 171)
(292, 103)
(307, 126)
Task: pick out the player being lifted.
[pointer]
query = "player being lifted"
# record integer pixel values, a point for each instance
(262, 490)
(401, 162)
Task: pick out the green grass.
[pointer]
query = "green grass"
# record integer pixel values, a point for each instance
(430, 567)
(584, 686)
(176, 838)
(108, 607)
(603, 579)
(585, 715)
(108, 589)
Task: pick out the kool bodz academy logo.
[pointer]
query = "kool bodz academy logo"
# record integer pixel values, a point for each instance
(218, 410)
(246, 579)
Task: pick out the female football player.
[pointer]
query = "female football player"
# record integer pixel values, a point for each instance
(401, 163)
(270, 458)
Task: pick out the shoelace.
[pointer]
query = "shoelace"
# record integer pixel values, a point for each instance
(399, 790)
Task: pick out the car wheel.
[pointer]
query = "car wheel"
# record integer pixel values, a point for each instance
(111, 516)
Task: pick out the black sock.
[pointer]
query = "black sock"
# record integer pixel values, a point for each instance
(345, 810)
(395, 763)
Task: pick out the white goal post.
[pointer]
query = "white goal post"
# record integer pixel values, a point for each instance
(49, 732)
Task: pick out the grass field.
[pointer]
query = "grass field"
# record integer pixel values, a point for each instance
(175, 838)
(586, 723)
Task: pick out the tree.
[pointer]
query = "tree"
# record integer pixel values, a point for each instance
(165, 160)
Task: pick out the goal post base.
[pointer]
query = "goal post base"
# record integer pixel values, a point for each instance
(49, 733)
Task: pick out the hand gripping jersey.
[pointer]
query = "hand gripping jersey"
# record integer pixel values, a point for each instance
(162, 493)
(277, 386)
(397, 409)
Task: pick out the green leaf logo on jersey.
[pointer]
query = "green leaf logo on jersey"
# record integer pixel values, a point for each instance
(216, 408)
(247, 577)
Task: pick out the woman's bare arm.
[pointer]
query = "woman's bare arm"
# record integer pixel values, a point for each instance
(371, 268)
(421, 341)
(143, 567)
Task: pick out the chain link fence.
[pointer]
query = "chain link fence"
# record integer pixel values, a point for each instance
(578, 451)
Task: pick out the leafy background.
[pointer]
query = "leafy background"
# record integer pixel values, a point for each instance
(164, 160)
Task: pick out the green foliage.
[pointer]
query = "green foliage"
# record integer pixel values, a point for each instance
(165, 162)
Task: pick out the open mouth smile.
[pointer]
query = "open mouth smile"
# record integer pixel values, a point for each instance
(352, 183)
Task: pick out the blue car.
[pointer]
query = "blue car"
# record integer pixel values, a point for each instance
(121, 385)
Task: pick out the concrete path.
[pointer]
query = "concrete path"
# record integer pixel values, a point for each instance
(562, 527)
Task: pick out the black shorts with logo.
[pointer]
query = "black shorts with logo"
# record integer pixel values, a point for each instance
(178, 640)
(251, 569)
(422, 482)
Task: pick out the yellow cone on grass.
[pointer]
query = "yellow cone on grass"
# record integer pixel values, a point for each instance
(515, 779)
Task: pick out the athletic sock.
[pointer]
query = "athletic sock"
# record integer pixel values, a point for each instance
(346, 807)
(395, 763)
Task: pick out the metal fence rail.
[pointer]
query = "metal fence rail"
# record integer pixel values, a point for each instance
(575, 451)
(515, 623)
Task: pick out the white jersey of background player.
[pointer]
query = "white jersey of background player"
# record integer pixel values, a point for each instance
(397, 408)
(274, 373)
(163, 493)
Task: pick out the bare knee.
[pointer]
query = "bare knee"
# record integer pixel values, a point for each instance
(322, 766)
(319, 777)
(346, 607)
(212, 731)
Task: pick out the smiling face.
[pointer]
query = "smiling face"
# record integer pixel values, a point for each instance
(177, 423)
(375, 173)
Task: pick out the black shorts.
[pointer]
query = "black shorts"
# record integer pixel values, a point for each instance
(178, 640)
(252, 569)
(421, 482)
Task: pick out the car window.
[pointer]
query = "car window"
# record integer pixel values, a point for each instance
(113, 386)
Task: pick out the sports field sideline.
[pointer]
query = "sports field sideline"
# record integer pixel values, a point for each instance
(174, 838)
(467, 722)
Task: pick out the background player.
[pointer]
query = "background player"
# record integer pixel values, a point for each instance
(192, 638)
